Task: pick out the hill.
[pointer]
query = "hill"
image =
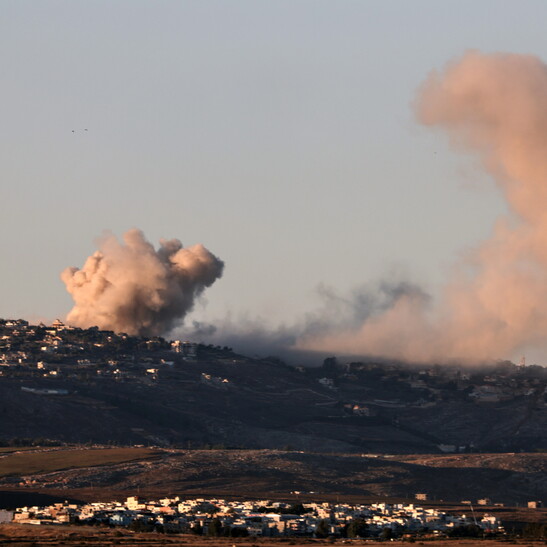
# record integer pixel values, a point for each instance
(106, 474)
(64, 385)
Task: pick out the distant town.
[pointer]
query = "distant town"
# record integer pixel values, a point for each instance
(218, 517)
(152, 385)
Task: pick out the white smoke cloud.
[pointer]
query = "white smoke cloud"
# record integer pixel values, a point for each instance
(130, 287)
(496, 304)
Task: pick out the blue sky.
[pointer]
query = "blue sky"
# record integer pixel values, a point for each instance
(278, 134)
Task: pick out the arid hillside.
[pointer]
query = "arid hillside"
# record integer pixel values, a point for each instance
(93, 474)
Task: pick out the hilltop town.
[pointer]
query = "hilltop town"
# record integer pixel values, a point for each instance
(57, 383)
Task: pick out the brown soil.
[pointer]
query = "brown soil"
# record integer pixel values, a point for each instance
(29, 536)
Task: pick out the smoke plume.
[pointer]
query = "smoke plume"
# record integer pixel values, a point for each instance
(132, 287)
(256, 336)
(494, 106)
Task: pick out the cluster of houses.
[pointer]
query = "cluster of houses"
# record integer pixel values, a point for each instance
(504, 382)
(60, 351)
(45, 351)
(254, 518)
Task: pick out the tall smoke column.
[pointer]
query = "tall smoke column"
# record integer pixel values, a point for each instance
(496, 107)
(130, 287)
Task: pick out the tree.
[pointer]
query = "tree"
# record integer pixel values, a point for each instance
(139, 525)
(535, 530)
(469, 530)
(357, 528)
(322, 530)
(295, 509)
(330, 367)
(215, 528)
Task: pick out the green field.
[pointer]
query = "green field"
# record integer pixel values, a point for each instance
(57, 460)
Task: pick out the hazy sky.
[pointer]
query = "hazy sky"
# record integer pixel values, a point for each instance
(279, 134)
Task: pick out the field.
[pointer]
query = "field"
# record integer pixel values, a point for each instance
(9, 449)
(25, 535)
(102, 474)
(30, 462)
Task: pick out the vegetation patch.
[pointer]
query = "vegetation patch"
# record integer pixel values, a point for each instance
(58, 460)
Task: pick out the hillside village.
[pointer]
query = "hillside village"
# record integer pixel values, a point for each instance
(180, 393)
(216, 517)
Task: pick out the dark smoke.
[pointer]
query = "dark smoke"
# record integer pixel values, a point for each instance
(335, 313)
